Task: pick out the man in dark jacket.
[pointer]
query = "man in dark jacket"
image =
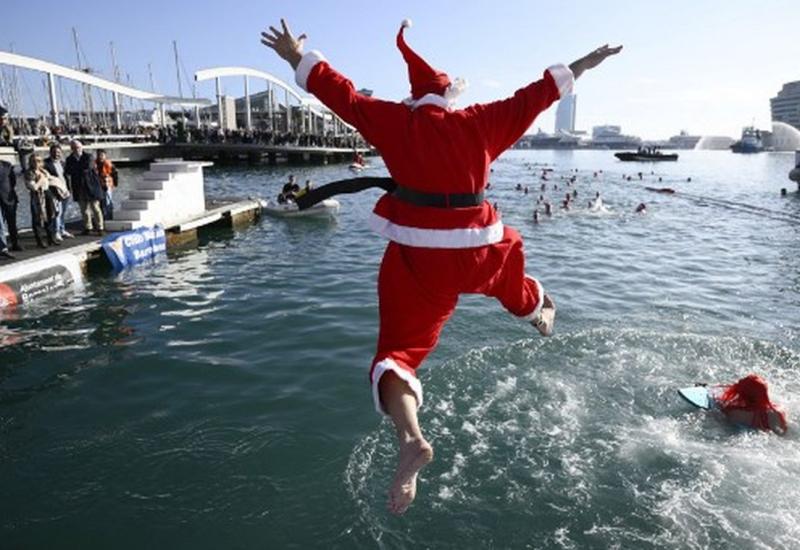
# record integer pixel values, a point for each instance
(85, 185)
(8, 205)
(55, 167)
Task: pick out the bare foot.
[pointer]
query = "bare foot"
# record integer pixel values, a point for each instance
(414, 455)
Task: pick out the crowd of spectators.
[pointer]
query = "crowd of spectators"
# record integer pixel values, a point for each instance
(86, 179)
(89, 180)
(39, 134)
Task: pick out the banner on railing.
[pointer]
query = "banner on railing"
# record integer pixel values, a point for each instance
(134, 247)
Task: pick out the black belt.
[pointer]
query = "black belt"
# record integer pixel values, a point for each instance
(438, 200)
(417, 198)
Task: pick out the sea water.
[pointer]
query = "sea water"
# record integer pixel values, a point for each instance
(219, 398)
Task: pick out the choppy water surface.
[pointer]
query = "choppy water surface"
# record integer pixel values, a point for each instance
(219, 399)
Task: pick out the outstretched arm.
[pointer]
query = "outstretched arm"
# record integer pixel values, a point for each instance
(592, 59)
(505, 121)
(285, 44)
(373, 118)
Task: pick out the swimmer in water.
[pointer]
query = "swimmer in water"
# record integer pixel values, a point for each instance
(642, 208)
(747, 403)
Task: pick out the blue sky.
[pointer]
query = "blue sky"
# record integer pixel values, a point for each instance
(707, 67)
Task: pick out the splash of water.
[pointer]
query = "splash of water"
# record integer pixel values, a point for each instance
(785, 137)
(714, 143)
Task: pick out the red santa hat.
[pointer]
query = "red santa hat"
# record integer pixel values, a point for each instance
(425, 79)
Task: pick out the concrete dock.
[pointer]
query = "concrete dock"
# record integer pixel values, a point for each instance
(39, 273)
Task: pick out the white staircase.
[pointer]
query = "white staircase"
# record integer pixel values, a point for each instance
(170, 192)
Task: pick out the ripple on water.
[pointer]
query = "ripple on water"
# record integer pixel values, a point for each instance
(581, 440)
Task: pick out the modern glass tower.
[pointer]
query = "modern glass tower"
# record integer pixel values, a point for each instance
(786, 105)
(565, 114)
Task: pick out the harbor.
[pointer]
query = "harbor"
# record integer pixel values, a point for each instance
(129, 397)
(212, 284)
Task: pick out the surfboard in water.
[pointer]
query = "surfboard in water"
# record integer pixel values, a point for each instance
(697, 396)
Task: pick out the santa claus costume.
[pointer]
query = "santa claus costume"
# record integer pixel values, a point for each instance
(444, 238)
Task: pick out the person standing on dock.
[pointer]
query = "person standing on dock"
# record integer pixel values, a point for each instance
(8, 204)
(43, 204)
(85, 184)
(54, 164)
(108, 181)
(445, 239)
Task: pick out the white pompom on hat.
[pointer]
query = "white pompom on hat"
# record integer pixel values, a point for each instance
(424, 79)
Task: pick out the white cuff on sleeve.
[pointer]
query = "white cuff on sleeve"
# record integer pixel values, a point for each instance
(307, 63)
(564, 78)
(389, 365)
(532, 316)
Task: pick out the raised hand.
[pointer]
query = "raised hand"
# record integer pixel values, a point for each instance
(284, 43)
(593, 59)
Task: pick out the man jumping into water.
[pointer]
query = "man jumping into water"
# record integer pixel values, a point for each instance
(444, 238)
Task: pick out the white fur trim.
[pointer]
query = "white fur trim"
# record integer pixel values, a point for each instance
(564, 78)
(455, 89)
(535, 313)
(389, 365)
(470, 237)
(406, 24)
(446, 101)
(307, 63)
(428, 99)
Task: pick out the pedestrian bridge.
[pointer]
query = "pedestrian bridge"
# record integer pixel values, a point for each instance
(314, 117)
(53, 70)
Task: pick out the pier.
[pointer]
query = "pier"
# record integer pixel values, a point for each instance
(39, 273)
(256, 153)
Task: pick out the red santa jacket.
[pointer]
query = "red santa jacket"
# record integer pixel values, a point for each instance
(430, 148)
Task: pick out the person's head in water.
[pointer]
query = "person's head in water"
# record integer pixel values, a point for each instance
(751, 395)
(641, 208)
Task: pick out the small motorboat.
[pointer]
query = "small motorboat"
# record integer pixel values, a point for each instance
(646, 156)
(327, 208)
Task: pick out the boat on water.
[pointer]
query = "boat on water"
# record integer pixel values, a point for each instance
(751, 141)
(646, 155)
(327, 208)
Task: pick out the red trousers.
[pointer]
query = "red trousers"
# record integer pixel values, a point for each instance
(418, 290)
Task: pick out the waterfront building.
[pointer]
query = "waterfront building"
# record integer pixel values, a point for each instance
(682, 141)
(610, 136)
(786, 105)
(565, 114)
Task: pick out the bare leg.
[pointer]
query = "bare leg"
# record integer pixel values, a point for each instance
(401, 404)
